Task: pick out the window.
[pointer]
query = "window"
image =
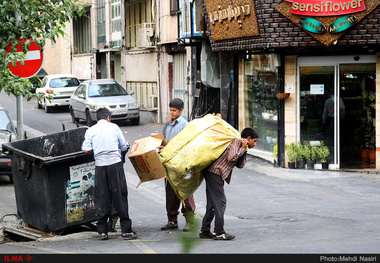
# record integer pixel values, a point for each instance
(81, 90)
(82, 34)
(101, 23)
(173, 7)
(260, 99)
(106, 90)
(139, 23)
(116, 22)
(64, 82)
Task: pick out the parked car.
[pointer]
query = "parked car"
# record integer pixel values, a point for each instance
(94, 94)
(7, 134)
(61, 87)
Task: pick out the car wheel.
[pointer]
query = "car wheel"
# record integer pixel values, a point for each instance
(73, 118)
(47, 109)
(39, 105)
(11, 178)
(135, 121)
(89, 120)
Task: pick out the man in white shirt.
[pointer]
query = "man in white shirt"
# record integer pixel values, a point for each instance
(106, 141)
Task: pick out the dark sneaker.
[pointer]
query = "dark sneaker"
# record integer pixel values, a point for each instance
(206, 234)
(129, 236)
(103, 236)
(223, 236)
(170, 225)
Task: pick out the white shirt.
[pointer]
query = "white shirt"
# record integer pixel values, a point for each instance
(107, 141)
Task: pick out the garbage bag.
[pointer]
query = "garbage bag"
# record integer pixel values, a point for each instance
(199, 144)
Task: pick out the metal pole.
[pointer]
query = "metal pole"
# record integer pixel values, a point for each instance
(20, 112)
(20, 118)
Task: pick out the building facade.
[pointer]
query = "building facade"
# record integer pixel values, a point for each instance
(117, 40)
(240, 58)
(324, 55)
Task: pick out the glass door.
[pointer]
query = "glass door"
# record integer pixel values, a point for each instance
(317, 107)
(357, 114)
(337, 107)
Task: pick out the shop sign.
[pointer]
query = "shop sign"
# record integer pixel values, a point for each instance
(312, 25)
(326, 20)
(229, 13)
(232, 19)
(342, 24)
(326, 7)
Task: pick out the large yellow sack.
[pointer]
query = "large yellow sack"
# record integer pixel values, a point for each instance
(200, 143)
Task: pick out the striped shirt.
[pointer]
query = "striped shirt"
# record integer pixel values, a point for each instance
(233, 156)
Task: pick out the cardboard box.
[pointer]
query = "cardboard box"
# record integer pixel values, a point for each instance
(145, 159)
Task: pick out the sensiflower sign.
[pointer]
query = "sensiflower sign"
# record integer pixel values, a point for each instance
(326, 7)
(326, 20)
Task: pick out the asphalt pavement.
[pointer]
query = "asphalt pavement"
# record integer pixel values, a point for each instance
(270, 210)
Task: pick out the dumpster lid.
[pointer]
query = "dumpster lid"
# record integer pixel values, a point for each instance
(51, 148)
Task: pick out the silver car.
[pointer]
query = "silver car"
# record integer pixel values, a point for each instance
(94, 94)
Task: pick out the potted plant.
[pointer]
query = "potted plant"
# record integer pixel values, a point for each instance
(301, 155)
(360, 139)
(370, 142)
(311, 155)
(291, 150)
(323, 153)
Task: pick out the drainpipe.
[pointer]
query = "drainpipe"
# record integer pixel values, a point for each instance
(158, 48)
(281, 115)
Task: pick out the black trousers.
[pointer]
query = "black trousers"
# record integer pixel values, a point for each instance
(111, 189)
(216, 203)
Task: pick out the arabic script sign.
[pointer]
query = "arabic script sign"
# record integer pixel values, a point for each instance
(232, 19)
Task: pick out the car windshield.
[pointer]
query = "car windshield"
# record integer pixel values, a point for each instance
(106, 90)
(64, 82)
(4, 121)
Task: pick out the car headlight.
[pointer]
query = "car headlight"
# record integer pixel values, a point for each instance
(133, 105)
(94, 107)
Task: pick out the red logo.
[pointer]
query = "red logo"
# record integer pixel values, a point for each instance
(326, 7)
(26, 258)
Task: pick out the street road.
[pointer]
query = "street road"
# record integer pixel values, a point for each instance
(270, 210)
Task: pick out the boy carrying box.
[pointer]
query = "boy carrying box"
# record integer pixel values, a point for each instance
(174, 126)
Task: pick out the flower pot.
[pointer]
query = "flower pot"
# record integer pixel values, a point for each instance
(291, 165)
(283, 96)
(310, 165)
(364, 155)
(325, 166)
(372, 156)
(301, 164)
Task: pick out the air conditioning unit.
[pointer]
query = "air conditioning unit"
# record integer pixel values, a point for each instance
(144, 33)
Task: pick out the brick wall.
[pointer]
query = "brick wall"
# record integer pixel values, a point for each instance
(277, 33)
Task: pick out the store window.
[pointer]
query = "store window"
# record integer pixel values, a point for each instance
(260, 99)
